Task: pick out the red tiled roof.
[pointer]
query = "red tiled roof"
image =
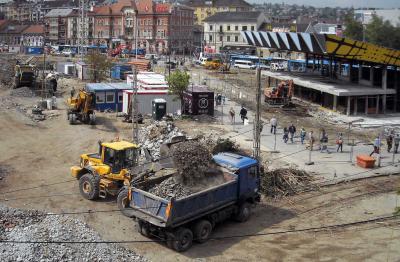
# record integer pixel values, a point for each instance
(34, 29)
(114, 9)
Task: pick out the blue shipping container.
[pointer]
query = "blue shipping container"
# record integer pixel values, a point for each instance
(108, 96)
(118, 71)
(34, 50)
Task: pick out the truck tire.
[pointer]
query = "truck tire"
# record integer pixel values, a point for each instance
(183, 239)
(143, 229)
(122, 203)
(89, 186)
(202, 231)
(243, 213)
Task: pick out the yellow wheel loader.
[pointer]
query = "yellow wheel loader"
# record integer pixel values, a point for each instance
(104, 173)
(81, 107)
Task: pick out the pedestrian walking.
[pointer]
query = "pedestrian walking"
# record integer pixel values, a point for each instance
(389, 142)
(377, 145)
(285, 134)
(232, 114)
(303, 134)
(292, 132)
(324, 143)
(273, 123)
(396, 143)
(339, 143)
(311, 139)
(243, 114)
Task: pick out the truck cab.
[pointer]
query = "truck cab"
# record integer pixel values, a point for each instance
(247, 171)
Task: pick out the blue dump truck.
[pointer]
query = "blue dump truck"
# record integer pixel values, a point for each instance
(181, 221)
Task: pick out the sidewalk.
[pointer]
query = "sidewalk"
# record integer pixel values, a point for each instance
(330, 167)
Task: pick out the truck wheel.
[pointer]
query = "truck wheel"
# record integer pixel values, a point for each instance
(202, 231)
(123, 203)
(143, 229)
(92, 119)
(89, 187)
(243, 213)
(183, 239)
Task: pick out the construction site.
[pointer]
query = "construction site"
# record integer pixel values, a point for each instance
(123, 171)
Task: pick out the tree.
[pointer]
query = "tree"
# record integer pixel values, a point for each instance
(382, 32)
(178, 82)
(99, 66)
(353, 28)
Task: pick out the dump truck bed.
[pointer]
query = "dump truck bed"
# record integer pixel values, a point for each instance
(171, 213)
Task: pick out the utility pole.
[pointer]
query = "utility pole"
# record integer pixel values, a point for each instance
(257, 118)
(135, 126)
(136, 32)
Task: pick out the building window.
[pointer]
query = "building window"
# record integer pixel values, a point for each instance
(228, 38)
(210, 38)
(252, 28)
(110, 97)
(236, 38)
(228, 28)
(236, 28)
(120, 97)
(244, 28)
(211, 27)
(100, 98)
(221, 38)
(221, 28)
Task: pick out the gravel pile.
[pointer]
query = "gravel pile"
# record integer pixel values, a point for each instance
(6, 72)
(160, 132)
(18, 225)
(170, 188)
(22, 92)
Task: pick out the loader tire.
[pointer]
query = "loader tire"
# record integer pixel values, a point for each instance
(72, 119)
(123, 203)
(92, 119)
(89, 186)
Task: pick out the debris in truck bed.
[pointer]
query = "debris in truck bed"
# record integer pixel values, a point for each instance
(170, 188)
(285, 182)
(192, 159)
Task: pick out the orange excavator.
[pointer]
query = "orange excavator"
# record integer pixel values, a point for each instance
(281, 95)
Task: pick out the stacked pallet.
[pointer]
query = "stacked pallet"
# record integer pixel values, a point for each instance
(140, 64)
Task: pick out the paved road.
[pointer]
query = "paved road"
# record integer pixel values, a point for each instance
(332, 167)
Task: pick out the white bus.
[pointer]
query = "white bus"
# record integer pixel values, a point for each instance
(244, 64)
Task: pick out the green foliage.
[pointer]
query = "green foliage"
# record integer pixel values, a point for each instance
(354, 29)
(377, 32)
(99, 66)
(178, 82)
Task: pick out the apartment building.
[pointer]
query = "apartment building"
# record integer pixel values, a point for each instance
(56, 26)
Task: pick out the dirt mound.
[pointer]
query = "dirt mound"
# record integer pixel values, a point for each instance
(285, 182)
(22, 92)
(6, 72)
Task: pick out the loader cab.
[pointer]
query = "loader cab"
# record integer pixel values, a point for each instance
(119, 155)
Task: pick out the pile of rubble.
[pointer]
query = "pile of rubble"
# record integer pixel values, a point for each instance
(33, 226)
(6, 72)
(156, 134)
(195, 171)
(170, 188)
(22, 92)
(286, 182)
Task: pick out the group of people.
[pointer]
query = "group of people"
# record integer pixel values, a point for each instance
(391, 139)
(242, 113)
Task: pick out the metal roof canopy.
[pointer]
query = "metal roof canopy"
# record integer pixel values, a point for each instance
(338, 48)
(336, 87)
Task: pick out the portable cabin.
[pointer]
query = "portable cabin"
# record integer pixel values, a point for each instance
(108, 96)
(198, 100)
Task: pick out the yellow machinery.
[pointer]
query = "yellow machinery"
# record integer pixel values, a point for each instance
(24, 75)
(81, 107)
(216, 64)
(104, 173)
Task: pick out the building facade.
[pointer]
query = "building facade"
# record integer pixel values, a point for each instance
(223, 29)
(56, 26)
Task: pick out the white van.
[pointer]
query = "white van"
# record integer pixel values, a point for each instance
(151, 57)
(244, 64)
(277, 67)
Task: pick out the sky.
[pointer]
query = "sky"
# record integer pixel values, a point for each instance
(340, 3)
